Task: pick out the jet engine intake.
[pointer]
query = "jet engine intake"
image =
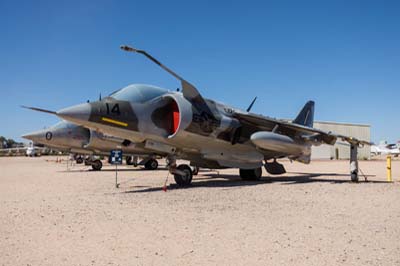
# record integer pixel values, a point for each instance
(174, 115)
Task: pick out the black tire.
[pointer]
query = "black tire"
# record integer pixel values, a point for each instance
(251, 174)
(186, 180)
(79, 160)
(354, 177)
(195, 170)
(97, 165)
(151, 164)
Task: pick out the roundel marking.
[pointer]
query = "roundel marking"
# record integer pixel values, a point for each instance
(49, 135)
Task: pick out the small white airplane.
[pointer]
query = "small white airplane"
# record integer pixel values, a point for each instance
(386, 149)
(30, 151)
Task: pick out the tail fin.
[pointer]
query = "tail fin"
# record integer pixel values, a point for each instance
(306, 115)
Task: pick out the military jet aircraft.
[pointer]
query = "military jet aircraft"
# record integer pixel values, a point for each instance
(69, 137)
(207, 133)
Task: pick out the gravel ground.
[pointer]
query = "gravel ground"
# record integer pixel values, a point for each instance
(312, 215)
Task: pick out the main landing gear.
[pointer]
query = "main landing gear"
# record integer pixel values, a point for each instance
(151, 164)
(251, 174)
(95, 163)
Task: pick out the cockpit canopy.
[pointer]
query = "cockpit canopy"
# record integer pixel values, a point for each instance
(63, 125)
(138, 93)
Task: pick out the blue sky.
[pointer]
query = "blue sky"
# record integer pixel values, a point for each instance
(345, 55)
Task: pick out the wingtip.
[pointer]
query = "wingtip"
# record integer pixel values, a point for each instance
(128, 48)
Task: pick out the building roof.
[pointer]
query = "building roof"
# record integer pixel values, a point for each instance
(342, 123)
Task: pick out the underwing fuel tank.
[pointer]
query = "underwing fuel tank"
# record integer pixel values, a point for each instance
(276, 142)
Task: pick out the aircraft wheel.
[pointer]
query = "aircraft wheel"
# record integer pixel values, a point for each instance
(354, 177)
(195, 170)
(97, 165)
(184, 180)
(151, 164)
(251, 174)
(79, 160)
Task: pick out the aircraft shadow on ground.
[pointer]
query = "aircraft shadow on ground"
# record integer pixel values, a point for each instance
(112, 170)
(229, 181)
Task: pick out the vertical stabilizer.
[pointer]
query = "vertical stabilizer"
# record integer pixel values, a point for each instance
(306, 115)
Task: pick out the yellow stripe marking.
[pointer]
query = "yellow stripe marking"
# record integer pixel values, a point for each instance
(119, 123)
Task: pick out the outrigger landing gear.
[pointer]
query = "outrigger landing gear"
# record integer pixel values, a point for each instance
(251, 174)
(354, 162)
(182, 173)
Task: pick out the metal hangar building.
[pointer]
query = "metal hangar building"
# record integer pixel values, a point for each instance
(341, 150)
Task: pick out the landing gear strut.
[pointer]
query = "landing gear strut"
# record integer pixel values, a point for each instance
(251, 174)
(354, 162)
(132, 160)
(195, 170)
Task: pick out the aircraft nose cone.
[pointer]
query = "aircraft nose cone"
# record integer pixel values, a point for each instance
(77, 114)
(34, 136)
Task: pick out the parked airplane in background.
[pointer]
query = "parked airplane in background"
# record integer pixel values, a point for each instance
(209, 134)
(30, 151)
(386, 149)
(69, 137)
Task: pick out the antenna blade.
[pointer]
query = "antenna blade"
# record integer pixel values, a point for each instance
(251, 105)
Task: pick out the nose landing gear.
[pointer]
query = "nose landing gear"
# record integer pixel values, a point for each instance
(182, 173)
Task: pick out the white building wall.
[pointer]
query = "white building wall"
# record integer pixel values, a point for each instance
(341, 150)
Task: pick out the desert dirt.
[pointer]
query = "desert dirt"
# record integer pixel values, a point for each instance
(312, 215)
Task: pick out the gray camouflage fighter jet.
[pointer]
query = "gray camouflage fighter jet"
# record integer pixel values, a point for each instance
(209, 134)
(69, 137)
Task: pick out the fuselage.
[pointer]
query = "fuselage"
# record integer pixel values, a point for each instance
(66, 136)
(167, 122)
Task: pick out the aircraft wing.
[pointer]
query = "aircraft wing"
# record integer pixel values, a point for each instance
(315, 136)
